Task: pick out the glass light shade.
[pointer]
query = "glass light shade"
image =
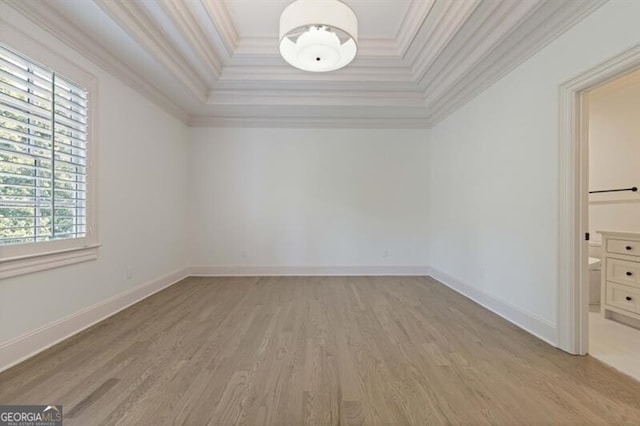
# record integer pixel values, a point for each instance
(318, 35)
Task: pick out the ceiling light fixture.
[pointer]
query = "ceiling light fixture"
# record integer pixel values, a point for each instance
(318, 35)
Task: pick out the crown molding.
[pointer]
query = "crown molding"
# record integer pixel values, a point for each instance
(323, 97)
(268, 46)
(443, 23)
(318, 86)
(521, 44)
(360, 93)
(184, 20)
(382, 72)
(59, 26)
(413, 20)
(489, 26)
(132, 18)
(444, 54)
(310, 122)
(223, 24)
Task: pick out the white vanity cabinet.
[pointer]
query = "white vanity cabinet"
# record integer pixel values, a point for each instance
(620, 274)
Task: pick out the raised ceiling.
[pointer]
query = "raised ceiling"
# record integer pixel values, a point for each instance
(253, 19)
(216, 62)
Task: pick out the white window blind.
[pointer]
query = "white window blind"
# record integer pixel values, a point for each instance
(43, 153)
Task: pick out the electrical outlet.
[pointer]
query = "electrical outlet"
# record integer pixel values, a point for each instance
(244, 254)
(385, 254)
(129, 272)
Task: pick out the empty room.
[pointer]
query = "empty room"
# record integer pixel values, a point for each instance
(319, 212)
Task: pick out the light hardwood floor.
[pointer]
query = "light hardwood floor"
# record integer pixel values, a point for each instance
(324, 351)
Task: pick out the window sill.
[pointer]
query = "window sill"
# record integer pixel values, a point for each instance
(13, 267)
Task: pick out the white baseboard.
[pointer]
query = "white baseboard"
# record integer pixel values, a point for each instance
(28, 345)
(19, 349)
(269, 271)
(528, 322)
(539, 327)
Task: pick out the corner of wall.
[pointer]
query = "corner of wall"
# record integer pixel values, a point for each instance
(537, 326)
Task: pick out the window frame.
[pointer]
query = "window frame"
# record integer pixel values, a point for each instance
(32, 257)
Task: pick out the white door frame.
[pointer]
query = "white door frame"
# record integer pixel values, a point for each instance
(573, 297)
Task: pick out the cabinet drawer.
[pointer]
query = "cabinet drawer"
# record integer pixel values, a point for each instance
(631, 248)
(623, 297)
(623, 272)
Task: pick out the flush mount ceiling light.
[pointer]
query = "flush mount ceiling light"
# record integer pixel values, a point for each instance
(318, 35)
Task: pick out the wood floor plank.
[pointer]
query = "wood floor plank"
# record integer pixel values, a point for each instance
(317, 351)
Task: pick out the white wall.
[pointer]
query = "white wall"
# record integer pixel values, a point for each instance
(614, 156)
(494, 174)
(293, 199)
(142, 200)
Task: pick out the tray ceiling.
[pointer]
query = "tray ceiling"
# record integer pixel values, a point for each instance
(253, 18)
(216, 62)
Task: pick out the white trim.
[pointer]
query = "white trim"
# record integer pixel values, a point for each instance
(268, 271)
(416, 14)
(47, 17)
(429, 48)
(264, 72)
(21, 259)
(519, 43)
(131, 17)
(185, 22)
(436, 53)
(539, 327)
(573, 199)
(365, 96)
(23, 347)
(310, 122)
(619, 234)
(257, 48)
(39, 262)
(219, 15)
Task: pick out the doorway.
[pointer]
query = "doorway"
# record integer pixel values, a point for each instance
(573, 249)
(612, 115)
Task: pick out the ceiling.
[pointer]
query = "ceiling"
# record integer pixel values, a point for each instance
(216, 62)
(379, 19)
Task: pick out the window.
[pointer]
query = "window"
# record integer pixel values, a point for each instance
(43, 162)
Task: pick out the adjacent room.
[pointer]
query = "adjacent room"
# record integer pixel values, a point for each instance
(327, 212)
(614, 215)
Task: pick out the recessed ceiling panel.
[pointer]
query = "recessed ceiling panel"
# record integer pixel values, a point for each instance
(216, 62)
(378, 19)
